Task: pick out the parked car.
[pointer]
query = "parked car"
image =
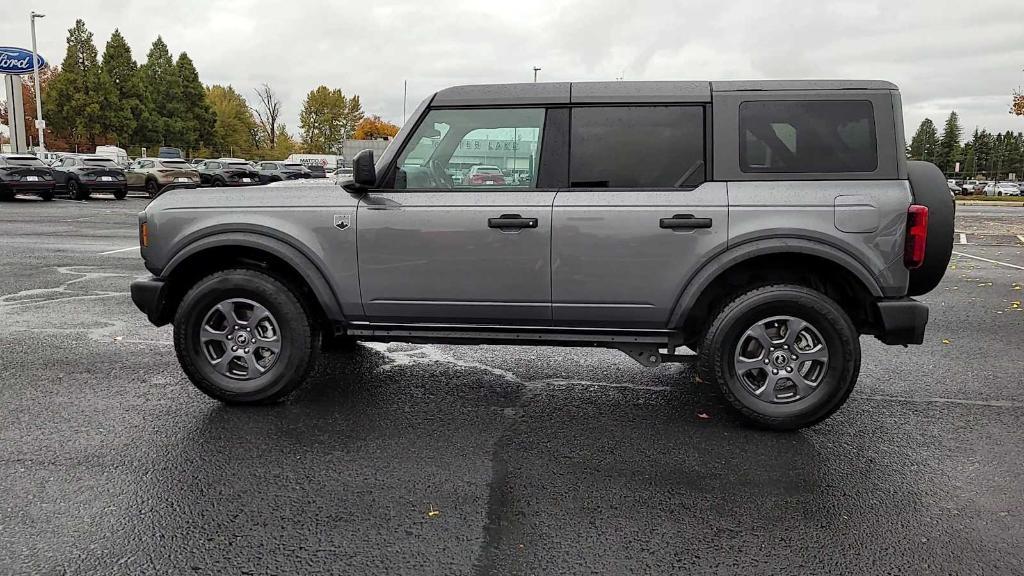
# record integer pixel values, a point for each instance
(970, 187)
(227, 172)
(25, 174)
(152, 174)
(1002, 189)
(196, 161)
(342, 174)
(599, 251)
(276, 171)
(115, 153)
(81, 175)
(316, 171)
(484, 176)
(169, 152)
(953, 188)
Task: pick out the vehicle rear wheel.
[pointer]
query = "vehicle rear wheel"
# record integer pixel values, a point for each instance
(121, 194)
(152, 188)
(47, 196)
(217, 183)
(75, 190)
(784, 356)
(244, 337)
(6, 196)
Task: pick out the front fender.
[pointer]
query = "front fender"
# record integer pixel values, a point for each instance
(306, 265)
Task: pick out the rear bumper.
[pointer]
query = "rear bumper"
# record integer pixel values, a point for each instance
(149, 294)
(17, 186)
(901, 321)
(100, 186)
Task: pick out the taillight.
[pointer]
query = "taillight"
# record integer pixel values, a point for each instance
(144, 234)
(917, 236)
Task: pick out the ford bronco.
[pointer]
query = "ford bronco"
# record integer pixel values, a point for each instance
(763, 225)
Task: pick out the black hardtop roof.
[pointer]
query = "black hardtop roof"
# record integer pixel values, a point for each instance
(630, 91)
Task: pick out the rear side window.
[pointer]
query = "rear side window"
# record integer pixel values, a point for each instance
(637, 147)
(797, 136)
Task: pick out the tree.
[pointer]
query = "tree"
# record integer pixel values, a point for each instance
(924, 144)
(122, 70)
(949, 145)
(268, 111)
(327, 118)
(234, 126)
(374, 128)
(80, 98)
(1017, 103)
(28, 96)
(163, 91)
(198, 119)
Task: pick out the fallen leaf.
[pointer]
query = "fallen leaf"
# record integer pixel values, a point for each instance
(945, 341)
(433, 512)
(118, 338)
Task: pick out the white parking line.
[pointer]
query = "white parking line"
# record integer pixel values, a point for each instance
(119, 250)
(66, 200)
(989, 261)
(963, 238)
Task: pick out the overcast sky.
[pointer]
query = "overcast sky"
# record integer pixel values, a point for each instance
(944, 55)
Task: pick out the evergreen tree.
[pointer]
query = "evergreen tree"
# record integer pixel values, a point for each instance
(198, 119)
(80, 98)
(128, 112)
(924, 144)
(949, 145)
(164, 94)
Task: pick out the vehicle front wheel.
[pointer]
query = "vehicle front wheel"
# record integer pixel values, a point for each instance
(784, 356)
(217, 183)
(244, 337)
(152, 188)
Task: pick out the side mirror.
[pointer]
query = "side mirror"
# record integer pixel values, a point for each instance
(364, 174)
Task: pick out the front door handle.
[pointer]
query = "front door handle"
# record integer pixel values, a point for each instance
(511, 221)
(684, 221)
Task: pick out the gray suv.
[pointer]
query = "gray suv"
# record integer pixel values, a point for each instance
(764, 225)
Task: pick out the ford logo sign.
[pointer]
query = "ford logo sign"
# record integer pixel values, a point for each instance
(17, 60)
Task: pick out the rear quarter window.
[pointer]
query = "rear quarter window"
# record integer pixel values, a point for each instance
(812, 136)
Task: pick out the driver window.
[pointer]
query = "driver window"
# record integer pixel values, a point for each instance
(473, 149)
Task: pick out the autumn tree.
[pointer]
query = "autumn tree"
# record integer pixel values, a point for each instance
(327, 118)
(80, 98)
(375, 128)
(234, 127)
(1017, 103)
(924, 144)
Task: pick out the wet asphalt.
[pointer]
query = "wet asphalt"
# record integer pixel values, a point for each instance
(410, 459)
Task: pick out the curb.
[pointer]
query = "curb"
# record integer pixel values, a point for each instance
(989, 203)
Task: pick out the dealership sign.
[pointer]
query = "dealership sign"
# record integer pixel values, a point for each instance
(17, 60)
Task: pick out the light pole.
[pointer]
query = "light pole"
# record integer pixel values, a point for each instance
(35, 73)
(535, 70)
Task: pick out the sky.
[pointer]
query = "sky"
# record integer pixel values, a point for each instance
(944, 55)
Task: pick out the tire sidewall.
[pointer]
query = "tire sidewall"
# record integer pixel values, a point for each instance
(288, 313)
(827, 318)
(152, 188)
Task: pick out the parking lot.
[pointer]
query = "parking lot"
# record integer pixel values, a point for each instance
(452, 460)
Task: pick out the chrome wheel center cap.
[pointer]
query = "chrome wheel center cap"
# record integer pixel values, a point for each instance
(241, 339)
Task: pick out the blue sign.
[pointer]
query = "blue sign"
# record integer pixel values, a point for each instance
(17, 60)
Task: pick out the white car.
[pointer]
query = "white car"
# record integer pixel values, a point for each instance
(1002, 189)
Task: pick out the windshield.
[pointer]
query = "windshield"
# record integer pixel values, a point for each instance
(104, 162)
(244, 165)
(24, 161)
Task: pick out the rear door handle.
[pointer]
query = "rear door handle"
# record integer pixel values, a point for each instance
(511, 221)
(684, 221)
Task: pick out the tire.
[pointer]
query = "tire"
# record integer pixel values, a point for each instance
(120, 194)
(6, 196)
(930, 189)
(787, 406)
(75, 190)
(217, 183)
(46, 196)
(152, 188)
(242, 382)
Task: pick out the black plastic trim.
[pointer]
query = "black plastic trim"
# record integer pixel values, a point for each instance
(902, 321)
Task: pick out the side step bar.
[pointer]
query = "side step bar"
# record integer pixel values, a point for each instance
(644, 346)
